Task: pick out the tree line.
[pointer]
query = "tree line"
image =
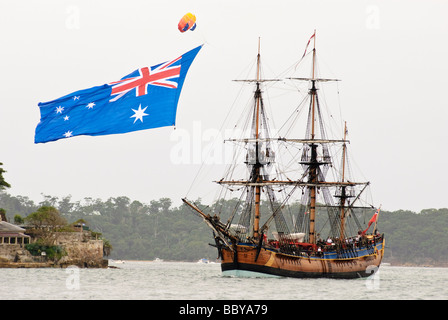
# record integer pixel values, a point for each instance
(145, 231)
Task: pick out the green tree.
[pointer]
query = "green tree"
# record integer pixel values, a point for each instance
(2, 214)
(107, 248)
(3, 184)
(46, 216)
(18, 219)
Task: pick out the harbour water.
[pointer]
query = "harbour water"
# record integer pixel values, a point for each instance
(150, 280)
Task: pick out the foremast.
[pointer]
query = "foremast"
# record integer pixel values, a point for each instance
(258, 159)
(254, 162)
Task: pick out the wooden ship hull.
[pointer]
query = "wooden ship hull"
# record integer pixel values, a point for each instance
(245, 260)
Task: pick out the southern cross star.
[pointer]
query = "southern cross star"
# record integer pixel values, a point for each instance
(139, 114)
(90, 105)
(59, 109)
(68, 134)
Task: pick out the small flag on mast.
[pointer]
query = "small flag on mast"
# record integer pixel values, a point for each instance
(306, 48)
(146, 98)
(372, 220)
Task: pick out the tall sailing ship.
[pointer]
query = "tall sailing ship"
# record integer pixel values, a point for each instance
(324, 236)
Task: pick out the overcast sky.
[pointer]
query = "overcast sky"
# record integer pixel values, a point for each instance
(391, 56)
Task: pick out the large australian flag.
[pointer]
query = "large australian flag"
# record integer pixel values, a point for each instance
(146, 98)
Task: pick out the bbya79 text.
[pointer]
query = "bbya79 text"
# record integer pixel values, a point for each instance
(228, 309)
(245, 309)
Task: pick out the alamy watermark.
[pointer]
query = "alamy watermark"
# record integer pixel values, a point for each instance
(73, 19)
(372, 17)
(210, 146)
(73, 281)
(373, 281)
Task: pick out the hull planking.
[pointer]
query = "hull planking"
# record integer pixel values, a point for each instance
(357, 263)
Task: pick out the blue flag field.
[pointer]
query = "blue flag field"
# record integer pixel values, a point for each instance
(146, 98)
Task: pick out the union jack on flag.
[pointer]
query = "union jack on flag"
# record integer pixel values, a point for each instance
(162, 75)
(144, 99)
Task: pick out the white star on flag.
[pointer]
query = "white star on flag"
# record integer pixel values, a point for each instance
(68, 134)
(90, 105)
(139, 114)
(59, 109)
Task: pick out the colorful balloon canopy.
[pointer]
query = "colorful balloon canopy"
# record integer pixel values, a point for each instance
(188, 22)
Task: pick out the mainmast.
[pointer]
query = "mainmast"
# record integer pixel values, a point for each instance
(313, 162)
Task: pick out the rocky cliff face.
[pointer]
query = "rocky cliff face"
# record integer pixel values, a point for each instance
(78, 248)
(81, 249)
(14, 253)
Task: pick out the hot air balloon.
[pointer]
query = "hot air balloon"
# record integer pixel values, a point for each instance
(188, 22)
